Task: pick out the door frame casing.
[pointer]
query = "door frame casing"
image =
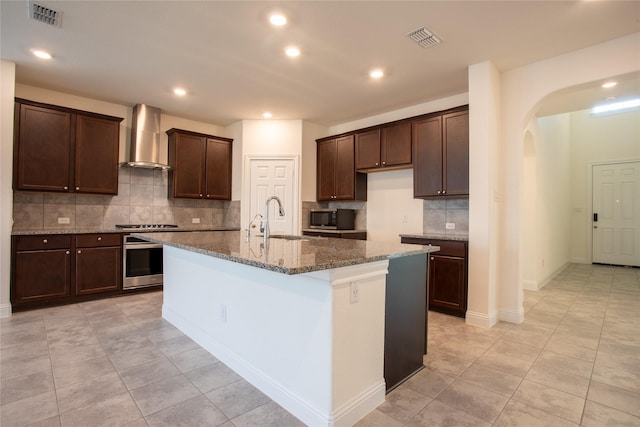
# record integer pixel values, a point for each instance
(246, 187)
(589, 224)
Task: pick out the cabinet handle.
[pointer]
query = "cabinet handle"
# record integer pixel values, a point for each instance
(79, 251)
(439, 192)
(376, 163)
(99, 238)
(444, 191)
(44, 240)
(432, 258)
(200, 195)
(77, 188)
(207, 196)
(67, 252)
(65, 188)
(384, 163)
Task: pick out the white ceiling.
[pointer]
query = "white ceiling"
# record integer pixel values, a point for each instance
(231, 61)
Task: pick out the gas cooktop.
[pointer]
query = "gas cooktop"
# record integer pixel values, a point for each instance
(146, 226)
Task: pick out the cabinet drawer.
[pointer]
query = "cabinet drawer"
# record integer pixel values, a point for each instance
(447, 247)
(97, 240)
(42, 242)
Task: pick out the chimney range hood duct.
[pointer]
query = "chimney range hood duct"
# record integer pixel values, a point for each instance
(145, 138)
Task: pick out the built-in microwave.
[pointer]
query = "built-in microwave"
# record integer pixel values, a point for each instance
(335, 219)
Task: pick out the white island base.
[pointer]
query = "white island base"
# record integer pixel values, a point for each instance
(312, 342)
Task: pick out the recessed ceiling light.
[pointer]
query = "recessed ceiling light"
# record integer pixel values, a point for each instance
(608, 85)
(376, 74)
(292, 51)
(278, 20)
(179, 91)
(41, 54)
(266, 115)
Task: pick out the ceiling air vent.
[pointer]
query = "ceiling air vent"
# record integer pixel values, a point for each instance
(44, 14)
(424, 37)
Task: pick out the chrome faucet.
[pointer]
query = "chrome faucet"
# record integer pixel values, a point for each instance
(267, 232)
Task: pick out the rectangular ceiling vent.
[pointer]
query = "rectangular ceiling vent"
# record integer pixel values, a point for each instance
(424, 37)
(44, 14)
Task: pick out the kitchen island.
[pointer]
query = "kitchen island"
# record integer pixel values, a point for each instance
(302, 319)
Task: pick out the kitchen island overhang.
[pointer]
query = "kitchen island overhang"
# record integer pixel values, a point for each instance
(302, 320)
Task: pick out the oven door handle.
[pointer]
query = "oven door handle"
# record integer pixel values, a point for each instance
(143, 246)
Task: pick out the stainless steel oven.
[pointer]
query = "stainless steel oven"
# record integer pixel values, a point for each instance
(142, 260)
(141, 263)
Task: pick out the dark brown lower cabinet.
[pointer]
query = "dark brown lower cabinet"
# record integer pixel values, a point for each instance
(360, 235)
(447, 281)
(41, 269)
(58, 269)
(98, 263)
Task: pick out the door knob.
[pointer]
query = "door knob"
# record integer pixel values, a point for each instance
(595, 226)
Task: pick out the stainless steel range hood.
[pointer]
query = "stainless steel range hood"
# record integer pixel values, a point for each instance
(145, 138)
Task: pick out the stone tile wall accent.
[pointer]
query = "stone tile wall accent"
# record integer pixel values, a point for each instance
(142, 198)
(438, 212)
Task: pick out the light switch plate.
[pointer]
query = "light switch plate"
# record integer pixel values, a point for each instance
(450, 226)
(62, 220)
(195, 220)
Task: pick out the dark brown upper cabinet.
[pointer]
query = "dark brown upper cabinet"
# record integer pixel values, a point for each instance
(441, 155)
(200, 165)
(337, 178)
(65, 150)
(386, 147)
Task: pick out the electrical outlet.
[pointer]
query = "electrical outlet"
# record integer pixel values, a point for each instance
(404, 218)
(354, 293)
(195, 220)
(450, 226)
(64, 221)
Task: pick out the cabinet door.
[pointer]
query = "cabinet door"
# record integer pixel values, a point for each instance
(447, 285)
(345, 185)
(456, 153)
(98, 270)
(97, 153)
(427, 160)
(367, 149)
(43, 149)
(41, 275)
(187, 159)
(218, 169)
(326, 170)
(396, 145)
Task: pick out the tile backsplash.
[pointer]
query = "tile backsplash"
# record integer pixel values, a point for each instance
(142, 198)
(439, 212)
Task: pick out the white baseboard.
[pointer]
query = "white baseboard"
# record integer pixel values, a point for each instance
(511, 316)
(534, 285)
(530, 285)
(5, 310)
(480, 320)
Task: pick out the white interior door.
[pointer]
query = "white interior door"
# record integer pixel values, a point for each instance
(616, 213)
(273, 177)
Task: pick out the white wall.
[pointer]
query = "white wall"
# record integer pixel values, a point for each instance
(485, 194)
(553, 195)
(523, 89)
(596, 139)
(7, 87)
(389, 200)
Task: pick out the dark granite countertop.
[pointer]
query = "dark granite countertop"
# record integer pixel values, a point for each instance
(439, 236)
(294, 255)
(99, 230)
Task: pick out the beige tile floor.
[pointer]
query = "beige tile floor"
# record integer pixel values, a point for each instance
(575, 360)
